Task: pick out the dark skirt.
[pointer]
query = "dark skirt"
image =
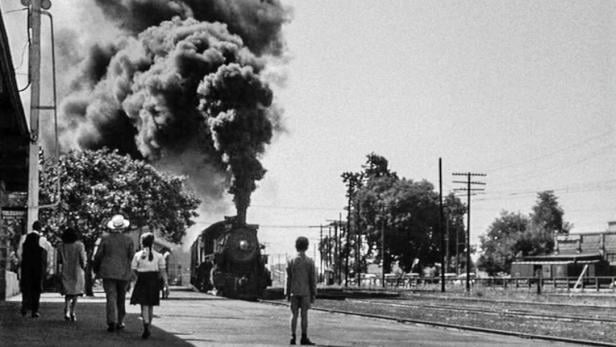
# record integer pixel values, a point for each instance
(147, 289)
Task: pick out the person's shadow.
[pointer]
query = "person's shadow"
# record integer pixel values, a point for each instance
(90, 328)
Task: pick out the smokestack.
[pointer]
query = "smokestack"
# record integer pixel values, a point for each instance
(185, 80)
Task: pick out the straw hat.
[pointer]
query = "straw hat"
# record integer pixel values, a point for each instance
(118, 222)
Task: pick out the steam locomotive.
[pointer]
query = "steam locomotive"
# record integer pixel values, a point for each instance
(227, 257)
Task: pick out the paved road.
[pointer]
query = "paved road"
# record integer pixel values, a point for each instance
(196, 319)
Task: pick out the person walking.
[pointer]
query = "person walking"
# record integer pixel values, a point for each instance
(149, 267)
(301, 288)
(33, 266)
(72, 260)
(164, 290)
(113, 258)
(43, 242)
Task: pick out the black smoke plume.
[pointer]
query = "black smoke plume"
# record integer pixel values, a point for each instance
(183, 87)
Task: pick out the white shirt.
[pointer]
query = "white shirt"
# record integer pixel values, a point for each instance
(141, 263)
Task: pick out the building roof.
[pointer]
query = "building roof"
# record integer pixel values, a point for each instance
(561, 259)
(14, 134)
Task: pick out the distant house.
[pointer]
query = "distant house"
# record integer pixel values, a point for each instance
(573, 253)
(14, 143)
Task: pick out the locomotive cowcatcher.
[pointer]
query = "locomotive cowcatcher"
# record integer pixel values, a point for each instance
(227, 257)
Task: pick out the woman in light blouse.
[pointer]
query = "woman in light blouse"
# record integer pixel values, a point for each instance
(149, 266)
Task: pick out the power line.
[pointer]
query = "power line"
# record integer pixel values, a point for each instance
(560, 150)
(298, 207)
(566, 164)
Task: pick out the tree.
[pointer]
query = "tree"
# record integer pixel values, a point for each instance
(95, 185)
(510, 236)
(405, 210)
(548, 215)
(500, 245)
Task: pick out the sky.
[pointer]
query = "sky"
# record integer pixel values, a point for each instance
(522, 91)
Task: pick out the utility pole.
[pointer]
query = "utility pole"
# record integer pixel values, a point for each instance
(321, 250)
(358, 248)
(329, 249)
(447, 256)
(468, 190)
(440, 222)
(336, 254)
(34, 67)
(457, 252)
(340, 248)
(383, 247)
(347, 247)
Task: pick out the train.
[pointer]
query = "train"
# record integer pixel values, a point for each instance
(228, 259)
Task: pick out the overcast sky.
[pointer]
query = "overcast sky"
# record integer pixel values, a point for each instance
(522, 91)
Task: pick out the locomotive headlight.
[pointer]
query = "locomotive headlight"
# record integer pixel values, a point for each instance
(244, 245)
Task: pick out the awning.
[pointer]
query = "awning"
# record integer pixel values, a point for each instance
(556, 262)
(561, 259)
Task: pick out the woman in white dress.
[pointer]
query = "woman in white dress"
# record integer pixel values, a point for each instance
(149, 267)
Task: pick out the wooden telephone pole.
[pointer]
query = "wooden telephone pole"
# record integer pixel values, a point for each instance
(34, 67)
(468, 190)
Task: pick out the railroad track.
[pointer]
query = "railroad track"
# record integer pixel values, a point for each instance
(504, 312)
(450, 325)
(512, 302)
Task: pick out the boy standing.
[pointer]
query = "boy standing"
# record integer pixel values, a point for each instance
(301, 288)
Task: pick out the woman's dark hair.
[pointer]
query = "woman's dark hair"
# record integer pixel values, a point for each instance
(301, 244)
(147, 240)
(69, 235)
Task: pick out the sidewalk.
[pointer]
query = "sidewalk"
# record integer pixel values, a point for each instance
(195, 319)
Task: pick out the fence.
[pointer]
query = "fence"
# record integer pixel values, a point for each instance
(596, 283)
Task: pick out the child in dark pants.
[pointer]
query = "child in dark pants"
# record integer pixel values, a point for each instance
(301, 288)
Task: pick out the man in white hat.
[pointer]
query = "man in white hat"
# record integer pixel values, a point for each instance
(114, 254)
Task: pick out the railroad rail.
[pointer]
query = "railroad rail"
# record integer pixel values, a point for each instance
(475, 299)
(505, 312)
(453, 326)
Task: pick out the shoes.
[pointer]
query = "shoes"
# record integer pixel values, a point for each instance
(35, 314)
(67, 316)
(73, 317)
(111, 328)
(23, 313)
(120, 326)
(292, 342)
(306, 341)
(146, 333)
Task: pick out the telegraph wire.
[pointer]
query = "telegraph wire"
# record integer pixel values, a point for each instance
(561, 165)
(560, 150)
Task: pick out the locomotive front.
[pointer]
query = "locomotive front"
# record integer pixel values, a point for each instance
(239, 270)
(231, 261)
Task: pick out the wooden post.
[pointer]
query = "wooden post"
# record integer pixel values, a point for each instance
(35, 96)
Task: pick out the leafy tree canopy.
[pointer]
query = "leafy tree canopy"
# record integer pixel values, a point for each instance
(514, 235)
(547, 213)
(408, 211)
(500, 244)
(95, 185)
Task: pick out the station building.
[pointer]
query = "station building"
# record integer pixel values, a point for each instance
(593, 254)
(14, 144)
